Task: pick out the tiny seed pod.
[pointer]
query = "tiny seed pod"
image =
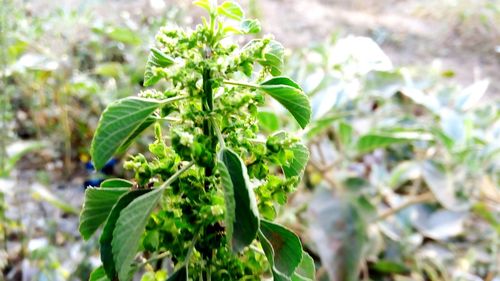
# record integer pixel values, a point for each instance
(273, 144)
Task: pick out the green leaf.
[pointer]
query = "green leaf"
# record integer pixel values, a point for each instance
(345, 133)
(250, 26)
(156, 59)
(384, 83)
(124, 35)
(268, 121)
(320, 125)
(151, 240)
(403, 172)
(268, 250)
(129, 228)
(231, 10)
(235, 182)
(282, 248)
(370, 142)
(306, 270)
(96, 207)
(340, 223)
(291, 96)
(440, 182)
(118, 122)
(481, 209)
(229, 200)
(107, 259)
(296, 166)
(146, 124)
(117, 183)
(273, 58)
(471, 95)
(453, 126)
(431, 102)
(205, 4)
(389, 267)
(179, 275)
(98, 275)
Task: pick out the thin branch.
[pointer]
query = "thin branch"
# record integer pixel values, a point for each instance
(155, 258)
(237, 83)
(168, 119)
(176, 175)
(422, 198)
(324, 174)
(165, 101)
(191, 248)
(218, 133)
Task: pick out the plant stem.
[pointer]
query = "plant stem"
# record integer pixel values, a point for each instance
(169, 100)
(158, 257)
(218, 132)
(191, 248)
(208, 106)
(207, 89)
(424, 197)
(176, 175)
(169, 119)
(236, 83)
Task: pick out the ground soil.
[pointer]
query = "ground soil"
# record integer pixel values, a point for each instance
(411, 32)
(464, 35)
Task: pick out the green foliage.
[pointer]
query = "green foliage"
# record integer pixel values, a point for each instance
(295, 166)
(273, 58)
(409, 161)
(241, 208)
(306, 271)
(109, 261)
(157, 59)
(118, 122)
(98, 204)
(129, 227)
(283, 249)
(289, 94)
(200, 196)
(98, 275)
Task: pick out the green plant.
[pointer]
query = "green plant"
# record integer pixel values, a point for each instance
(409, 161)
(205, 197)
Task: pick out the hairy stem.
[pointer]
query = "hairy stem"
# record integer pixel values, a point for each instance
(243, 84)
(208, 106)
(218, 132)
(169, 100)
(176, 175)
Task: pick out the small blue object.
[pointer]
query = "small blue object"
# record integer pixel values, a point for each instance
(108, 169)
(89, 166)
(92, 183)
(99, 177)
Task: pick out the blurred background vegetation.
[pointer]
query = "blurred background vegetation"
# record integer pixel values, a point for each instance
(404, 177)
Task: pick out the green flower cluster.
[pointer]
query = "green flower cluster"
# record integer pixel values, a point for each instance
(195, 204)
(214, 177)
